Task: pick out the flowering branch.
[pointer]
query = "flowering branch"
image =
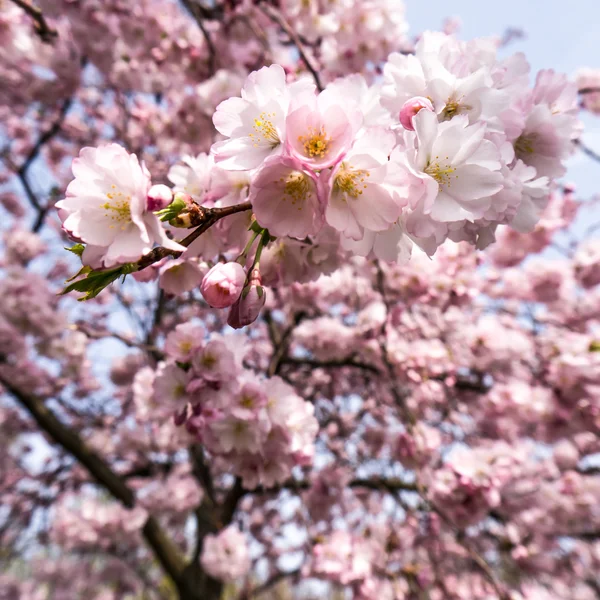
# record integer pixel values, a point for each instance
(46, 32)
(203, 219)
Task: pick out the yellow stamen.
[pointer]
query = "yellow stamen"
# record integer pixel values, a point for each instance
(442, 173)
(265, 131)
(350, 182)
(316, 143)
(296, 187)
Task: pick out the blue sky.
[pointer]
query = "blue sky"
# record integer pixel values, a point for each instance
(560, 35)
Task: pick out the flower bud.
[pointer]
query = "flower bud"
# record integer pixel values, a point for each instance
(159, 197)
(223, 284)
(249, 304)
(410, 108)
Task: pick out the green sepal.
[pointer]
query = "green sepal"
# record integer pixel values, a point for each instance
(171, 211)
(76, 249)
(594, 346)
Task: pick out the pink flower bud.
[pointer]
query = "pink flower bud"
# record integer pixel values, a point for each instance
(159, 197)
(410, 108)
(223, 284)
(249, 304)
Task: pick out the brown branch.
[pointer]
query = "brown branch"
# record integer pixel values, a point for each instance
(279, 19)
(46, 32)
(198, 12)
(22, 171)
(587, 151)
(329, 364)
(166, 552)
(205, 219)
(589, 90)
(281, 343)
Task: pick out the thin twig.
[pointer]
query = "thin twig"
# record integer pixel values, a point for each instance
(589, 90)
(198, 12)
(587, 151)
(279, 19)
(206, 218)
(46, 32)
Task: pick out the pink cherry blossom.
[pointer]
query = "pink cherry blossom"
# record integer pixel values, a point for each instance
(106, 206)
(223, 284)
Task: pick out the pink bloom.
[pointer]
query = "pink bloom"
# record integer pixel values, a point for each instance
(179, 276)
(170, 385)
(215, 362)
(183, 341)
(193, 176)
(285, 198)
(159, 197)
(460, 169)
(410, 108)
(223, 284)
(225, 556)
(255, 123)
(319, 132)
(359, 198)
(106, 206)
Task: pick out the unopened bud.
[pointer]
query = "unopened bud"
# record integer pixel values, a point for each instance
(410, 108)
(159, 197)
(249, 304)
(223, 284)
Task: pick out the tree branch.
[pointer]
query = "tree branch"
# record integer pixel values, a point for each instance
(42, 28)
(279, 19)
(166, 552)
(587, 151)
(204, 220)
(198, 12)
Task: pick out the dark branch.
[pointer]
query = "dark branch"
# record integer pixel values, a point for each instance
(589, 90)
(42, 28)
(329, 364)
(587, 151)
(279, 19)
(204, 220)
(199, 13)
(164, 549)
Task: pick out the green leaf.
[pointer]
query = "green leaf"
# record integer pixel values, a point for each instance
(96, 281)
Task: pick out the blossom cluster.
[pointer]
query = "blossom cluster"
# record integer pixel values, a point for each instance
(451, 143)
(260, 428)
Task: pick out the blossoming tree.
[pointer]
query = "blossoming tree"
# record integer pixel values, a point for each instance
(340, 321)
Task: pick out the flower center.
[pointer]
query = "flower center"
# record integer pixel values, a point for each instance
(316, 143)
(185, 346)
(442, 171)
(525, 144)
(209, 361)
(296, 186)
(265, 131)
(453, 108)
(350, 182)
(247, 402)
(117, 208)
